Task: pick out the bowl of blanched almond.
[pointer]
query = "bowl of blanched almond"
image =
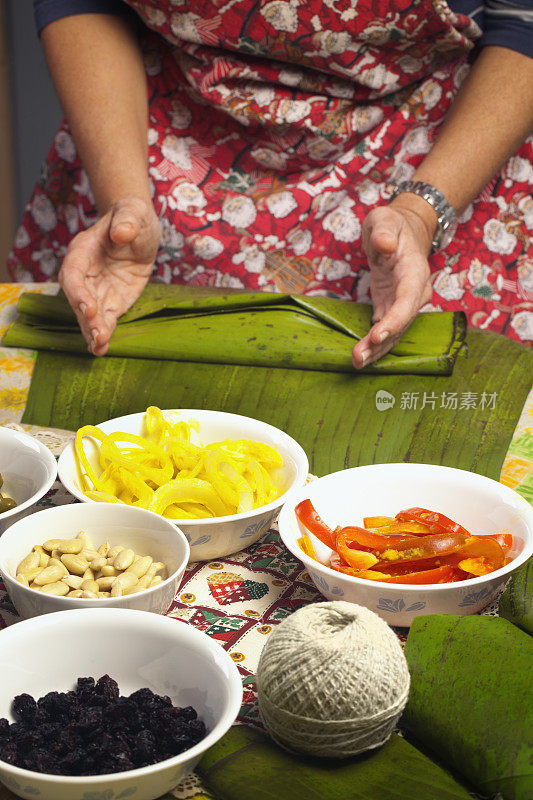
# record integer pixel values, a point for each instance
(220, 478)
(97, 554)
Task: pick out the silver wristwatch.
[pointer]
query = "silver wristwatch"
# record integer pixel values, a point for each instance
(446, 216)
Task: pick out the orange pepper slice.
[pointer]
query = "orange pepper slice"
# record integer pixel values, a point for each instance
(476, 566)
(485, 546)
(357, 559)
(377, 522)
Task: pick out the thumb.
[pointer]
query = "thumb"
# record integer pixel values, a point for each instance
(124, 225)
(385, 232)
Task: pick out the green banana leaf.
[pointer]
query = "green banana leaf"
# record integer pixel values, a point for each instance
(245, 765)
(251, 329)
(516, 603)
(471, 700)
(333, 415)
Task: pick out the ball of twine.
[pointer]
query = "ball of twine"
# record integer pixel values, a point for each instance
(332, 680)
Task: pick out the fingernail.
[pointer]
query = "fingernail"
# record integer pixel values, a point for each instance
(383, 335)
(83, 307)
(364, 357)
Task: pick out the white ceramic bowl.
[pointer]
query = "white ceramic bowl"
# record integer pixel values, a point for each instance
(219, 536)
(481, 505)
(145, 532)
(28, 468)
(136, 649)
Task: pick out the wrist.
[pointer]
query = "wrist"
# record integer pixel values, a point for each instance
(421, 214)
(109, 199)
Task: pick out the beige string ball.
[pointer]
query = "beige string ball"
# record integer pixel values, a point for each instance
(332, 680)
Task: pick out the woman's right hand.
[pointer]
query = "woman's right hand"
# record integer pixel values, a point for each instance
(107, 267)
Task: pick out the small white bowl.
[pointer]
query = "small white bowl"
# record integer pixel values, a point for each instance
(146, 533)
(138, 650)
(219, 536)
(481, 505)
(29, 470)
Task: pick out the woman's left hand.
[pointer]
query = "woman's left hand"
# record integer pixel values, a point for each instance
(397, 241)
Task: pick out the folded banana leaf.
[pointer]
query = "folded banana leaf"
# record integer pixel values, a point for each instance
(516, 603)
(246, 765)
(465, 420)
(471, 700)
(253, 329)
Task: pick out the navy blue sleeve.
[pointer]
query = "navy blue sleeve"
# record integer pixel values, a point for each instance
(46, 11)
(509, 24)
(505, 23)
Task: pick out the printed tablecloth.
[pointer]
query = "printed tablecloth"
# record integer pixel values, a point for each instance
(239, 599)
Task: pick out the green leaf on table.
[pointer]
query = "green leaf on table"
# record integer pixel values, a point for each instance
(247, 765)
(471, 700)
(333, 415)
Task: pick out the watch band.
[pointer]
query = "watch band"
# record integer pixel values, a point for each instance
(446, 216)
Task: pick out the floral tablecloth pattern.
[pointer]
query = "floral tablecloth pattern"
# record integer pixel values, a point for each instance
(239, 599)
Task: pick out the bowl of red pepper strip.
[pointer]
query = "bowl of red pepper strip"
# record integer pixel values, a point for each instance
(408, 539)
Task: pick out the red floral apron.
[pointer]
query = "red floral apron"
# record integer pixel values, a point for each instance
(275, 126)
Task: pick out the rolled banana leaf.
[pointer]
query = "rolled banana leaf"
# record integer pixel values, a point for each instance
(471, 700)
(251, 329)
(516, 603)
(246, 765)
(465, 420)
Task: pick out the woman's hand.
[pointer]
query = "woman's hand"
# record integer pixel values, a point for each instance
(397, 241)
(107, 267)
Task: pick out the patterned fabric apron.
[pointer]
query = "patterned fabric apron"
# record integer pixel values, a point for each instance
(275, 126)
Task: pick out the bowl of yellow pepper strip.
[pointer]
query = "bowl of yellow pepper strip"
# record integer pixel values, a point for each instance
(221, 478)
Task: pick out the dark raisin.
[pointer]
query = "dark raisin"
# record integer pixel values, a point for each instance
(25, 707)
(9, 753)
(108, 688)
(94, 731)
(85, 686)
(187, 713)
(144, 748)
(56, 705)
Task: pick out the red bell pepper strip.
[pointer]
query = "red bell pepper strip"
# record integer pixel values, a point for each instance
(310, 519)
(405, 567)
(443, 574)
(432, 518)
(439, 544)
(375, 541)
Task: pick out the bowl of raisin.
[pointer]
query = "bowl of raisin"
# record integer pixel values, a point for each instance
(109, 703)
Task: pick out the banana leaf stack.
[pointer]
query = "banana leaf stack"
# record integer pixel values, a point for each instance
(253, 329)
